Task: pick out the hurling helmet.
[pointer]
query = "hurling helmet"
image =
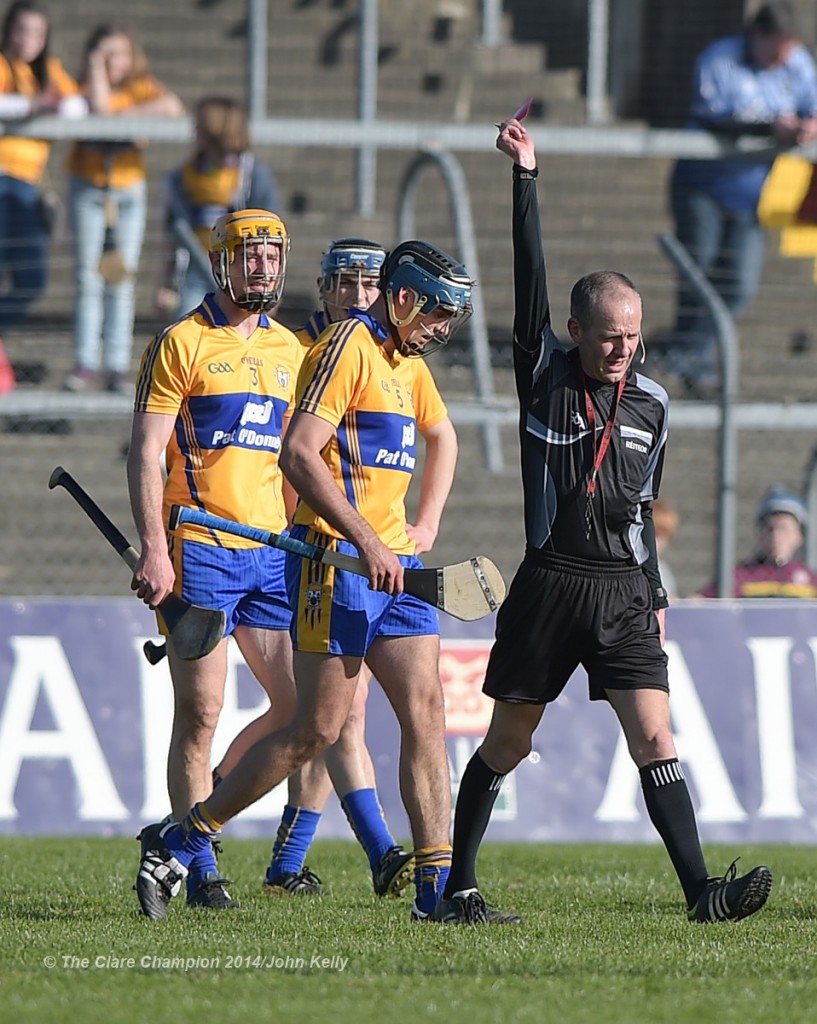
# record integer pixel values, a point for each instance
(436, 279)
(350, 254)
(236, 231)
(354, 262)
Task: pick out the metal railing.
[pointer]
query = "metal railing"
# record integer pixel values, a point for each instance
(346, 133)
(460, 199)
(443, 139)
(727, 340)
(598, 47)
(367, 107)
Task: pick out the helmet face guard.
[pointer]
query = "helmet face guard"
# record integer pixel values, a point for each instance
(250, 235)
(351, 263)
(440, 285)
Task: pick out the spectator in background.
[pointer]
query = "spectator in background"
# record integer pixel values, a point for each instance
(774, 571)
(107, 190)
(32, 82)
(220, 176)
(762, 82)
(665, 520)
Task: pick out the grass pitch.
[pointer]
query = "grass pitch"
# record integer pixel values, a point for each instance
(604, 939)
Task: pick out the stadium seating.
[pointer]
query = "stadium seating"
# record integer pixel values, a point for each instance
(597, 211)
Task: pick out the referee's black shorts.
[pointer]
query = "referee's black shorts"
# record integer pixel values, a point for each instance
(562, 612)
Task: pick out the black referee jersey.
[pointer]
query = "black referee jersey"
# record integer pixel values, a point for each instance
(556, 444)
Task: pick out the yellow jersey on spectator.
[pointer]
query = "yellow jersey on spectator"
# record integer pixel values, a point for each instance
(22, 157)
(116, 164)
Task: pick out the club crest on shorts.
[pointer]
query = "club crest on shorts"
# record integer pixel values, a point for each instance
(312, 611)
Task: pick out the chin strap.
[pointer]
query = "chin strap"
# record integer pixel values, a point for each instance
(395, 337)
(257, 303)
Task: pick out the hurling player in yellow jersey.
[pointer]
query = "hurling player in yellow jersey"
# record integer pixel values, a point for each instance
(349, 279)
(215, 392)
(349, 453)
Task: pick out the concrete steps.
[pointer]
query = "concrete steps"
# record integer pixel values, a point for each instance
(602, 212)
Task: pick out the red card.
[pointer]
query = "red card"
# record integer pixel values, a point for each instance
(524, 110)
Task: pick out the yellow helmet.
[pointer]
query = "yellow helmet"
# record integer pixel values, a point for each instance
(250, 228)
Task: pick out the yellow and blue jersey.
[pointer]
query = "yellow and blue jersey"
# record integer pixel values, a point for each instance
(231, 396)
(314, 327)
(377, 403)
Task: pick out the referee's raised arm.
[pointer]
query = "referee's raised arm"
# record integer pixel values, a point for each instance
(531, 307)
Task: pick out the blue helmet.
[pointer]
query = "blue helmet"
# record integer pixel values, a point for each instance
(351, 254)
(436, 279)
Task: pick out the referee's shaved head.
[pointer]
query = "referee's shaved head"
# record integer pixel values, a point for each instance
(590, 291)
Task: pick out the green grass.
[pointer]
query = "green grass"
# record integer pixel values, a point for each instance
(604, 940)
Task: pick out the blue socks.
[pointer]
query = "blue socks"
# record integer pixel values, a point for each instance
(365, 815)
(293, 839)
(431, 869)
(297, 830)
(190, 841)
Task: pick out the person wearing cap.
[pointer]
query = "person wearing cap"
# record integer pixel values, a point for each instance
(774, 570)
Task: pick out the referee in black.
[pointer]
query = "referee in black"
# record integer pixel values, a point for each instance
(592, 435)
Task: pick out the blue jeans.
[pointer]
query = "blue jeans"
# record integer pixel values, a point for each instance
(728, 245)
(23, 249)
(104, 312)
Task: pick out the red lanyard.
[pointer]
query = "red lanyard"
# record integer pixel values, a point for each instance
(600, 449)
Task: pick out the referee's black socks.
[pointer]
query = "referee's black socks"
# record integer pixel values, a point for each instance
(671, 812)
(475, 801)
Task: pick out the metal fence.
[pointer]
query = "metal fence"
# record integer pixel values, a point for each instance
(603, 192)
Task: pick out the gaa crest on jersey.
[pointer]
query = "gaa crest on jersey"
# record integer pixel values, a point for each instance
(283, 377)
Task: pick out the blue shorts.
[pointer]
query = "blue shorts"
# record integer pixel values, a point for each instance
(337, 612)
(248, 584)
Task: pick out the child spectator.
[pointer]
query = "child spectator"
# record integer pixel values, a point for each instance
(774, 570)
